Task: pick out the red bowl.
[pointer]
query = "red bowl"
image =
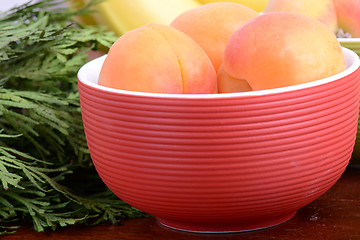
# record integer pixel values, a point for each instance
(222, 162)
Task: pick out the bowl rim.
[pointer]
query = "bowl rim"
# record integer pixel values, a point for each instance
(93, 67)
(349, 40)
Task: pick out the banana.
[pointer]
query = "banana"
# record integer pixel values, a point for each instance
(124, 15)
(257, 5)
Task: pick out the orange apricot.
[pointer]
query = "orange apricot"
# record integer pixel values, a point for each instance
(160, 59)
(322, 10)
(282, 49)
(348, 15)
(228, 84)
(210, 25)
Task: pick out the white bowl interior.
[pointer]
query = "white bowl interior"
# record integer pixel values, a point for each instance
(89, 74)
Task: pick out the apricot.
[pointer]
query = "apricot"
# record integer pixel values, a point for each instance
(322, 10)
(211, 25)
(160, 59)
(228, 84)
(282, 49)
(348, 15)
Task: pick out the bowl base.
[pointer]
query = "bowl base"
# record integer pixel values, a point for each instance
(232, 227)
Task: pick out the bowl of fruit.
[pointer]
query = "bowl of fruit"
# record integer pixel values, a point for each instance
(348, 13)
(341, 16)
(236, 148)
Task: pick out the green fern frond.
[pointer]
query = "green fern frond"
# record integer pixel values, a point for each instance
(44, 160)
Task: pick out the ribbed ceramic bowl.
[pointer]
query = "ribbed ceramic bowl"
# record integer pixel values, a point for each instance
(222, 162)
(354, 45)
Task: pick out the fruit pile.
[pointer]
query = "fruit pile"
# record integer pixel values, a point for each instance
(123, 15)
(227, 47)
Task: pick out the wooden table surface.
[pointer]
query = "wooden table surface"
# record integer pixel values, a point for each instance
(335, 215)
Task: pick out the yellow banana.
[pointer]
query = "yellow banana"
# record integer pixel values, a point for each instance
(124, 15)
(257, 5)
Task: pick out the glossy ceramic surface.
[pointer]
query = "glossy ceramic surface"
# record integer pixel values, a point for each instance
(354, 45)
(222, 162)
